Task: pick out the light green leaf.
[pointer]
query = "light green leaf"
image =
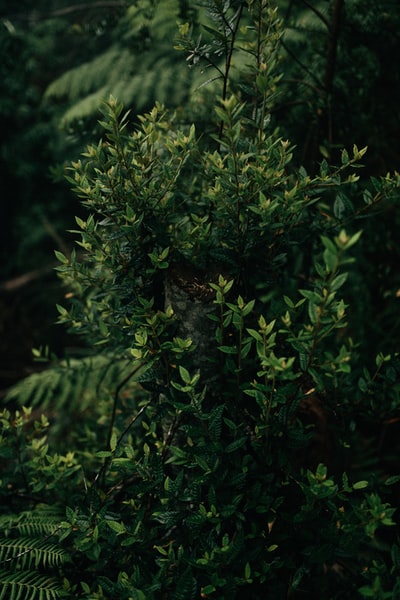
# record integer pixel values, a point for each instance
(360, 485)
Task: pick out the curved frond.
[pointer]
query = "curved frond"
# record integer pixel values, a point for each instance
(31, 552)
(76, 383)
(29, 555)
(138, 68)
(42, 522)
(28, 586)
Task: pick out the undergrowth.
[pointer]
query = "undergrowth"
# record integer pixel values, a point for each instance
(217, 438)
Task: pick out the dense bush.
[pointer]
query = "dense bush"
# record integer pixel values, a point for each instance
(216, 445)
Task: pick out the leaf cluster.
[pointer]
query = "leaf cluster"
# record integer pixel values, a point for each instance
(215, 461)
(30, 555)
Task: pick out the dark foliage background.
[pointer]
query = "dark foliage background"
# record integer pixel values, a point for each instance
(340, 82)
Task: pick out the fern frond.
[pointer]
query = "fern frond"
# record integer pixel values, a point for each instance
(43, 521)
(186, 588)
(138, 69)
(29, 553)
(28, 586)
(85, 107)
(75, 383)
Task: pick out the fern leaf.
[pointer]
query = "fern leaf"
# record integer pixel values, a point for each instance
(186, 588)
(44, 520)
(75, 385)
(215, 425)
(137, 76)
(28, 586)
(29, 553)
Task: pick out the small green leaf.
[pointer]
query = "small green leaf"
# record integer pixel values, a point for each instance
(360, 485)
(304, 358)
(103, 328)
(324, 151)
(345, 157)
(246, 349)
(338, 281)
(185, 375)
(362, 384)
(206, 590)
(119, 528)
(331, 260)
(339, 207)
(381, 358)
(103, 454)
(392, 480)
(359, 153)
(113, 442)
(233, 446)
(227, 349)
(254, 334)
(61, 257)
(63, 311)
(85, 587)
(80, 222)
(329, 245)
(313, 312)
(288, 302)
(248, 308)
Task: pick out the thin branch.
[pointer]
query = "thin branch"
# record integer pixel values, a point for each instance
(302, 65)
(334, 30)
(318, 13)
(333, 38)
(132, 422)
(11, 285)
(228, 59)
(102, 473)
(67, 10)
(314, 88)
(116, 397)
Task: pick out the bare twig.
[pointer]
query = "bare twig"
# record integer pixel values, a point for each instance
(14, 284)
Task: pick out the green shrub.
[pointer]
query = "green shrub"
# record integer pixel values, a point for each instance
(212, 270)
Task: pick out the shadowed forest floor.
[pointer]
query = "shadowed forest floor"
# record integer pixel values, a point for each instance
(28, 320)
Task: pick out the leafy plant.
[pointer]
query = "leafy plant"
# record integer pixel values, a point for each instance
(217, 272)
(135, 62)
(30, 553)
(72, 383)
